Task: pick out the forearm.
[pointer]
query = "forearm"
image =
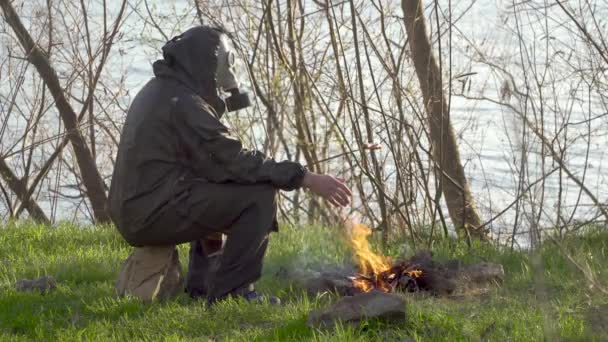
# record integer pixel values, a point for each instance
(283, 175)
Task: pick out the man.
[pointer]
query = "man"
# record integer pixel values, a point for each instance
(180, 177)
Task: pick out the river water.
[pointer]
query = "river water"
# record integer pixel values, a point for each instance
(490, 135)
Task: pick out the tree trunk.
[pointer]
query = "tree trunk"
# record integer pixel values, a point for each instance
(20, 189)
(460, 202)
(91, 177)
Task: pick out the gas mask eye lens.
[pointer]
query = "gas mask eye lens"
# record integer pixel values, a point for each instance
(231, 59)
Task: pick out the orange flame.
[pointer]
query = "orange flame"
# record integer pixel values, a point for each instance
(363, 285)
(377, 272)
(414, 273)
(369, 262)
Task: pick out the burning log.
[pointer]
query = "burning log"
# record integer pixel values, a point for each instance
(413, 275)
(418, 273)
(402, 276)
(371, 292)
(378, 273)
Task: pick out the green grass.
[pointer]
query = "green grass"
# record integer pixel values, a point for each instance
(549, 301)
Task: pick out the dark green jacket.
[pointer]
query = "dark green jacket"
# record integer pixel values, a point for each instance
(171, 133)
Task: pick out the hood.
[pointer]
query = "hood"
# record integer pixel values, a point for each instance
(191, 59)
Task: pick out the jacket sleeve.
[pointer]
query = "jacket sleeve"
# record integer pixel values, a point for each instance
(220, 157)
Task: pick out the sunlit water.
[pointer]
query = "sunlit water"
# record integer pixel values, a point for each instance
(489, 135)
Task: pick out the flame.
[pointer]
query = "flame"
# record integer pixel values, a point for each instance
(376, 271)
(363, 284)
(369, 262)
(414, 273)
(371, 265)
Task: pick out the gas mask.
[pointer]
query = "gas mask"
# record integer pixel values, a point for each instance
(225, 76)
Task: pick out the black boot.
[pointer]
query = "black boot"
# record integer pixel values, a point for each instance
(204, 260)
(248, 293)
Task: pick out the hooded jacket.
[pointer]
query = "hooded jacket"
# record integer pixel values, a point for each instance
(171, 133)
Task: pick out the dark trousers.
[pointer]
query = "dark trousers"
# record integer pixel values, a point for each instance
(244, 213)
(204, 260)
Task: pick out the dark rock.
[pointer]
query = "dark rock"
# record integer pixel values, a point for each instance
(423, 257)
(445, 278)
(151, 273)
(315, 282)
(483, 273)
(329, 282)
(362, 306)
(438, 282)
(437, 278)
(43, 285)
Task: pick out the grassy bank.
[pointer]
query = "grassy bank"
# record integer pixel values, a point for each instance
(545, 299)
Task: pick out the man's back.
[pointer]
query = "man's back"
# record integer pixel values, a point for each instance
(147, 165)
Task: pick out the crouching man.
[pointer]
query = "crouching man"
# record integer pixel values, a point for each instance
(180, 177)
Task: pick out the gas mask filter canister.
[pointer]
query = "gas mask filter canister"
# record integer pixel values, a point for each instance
(226, 78)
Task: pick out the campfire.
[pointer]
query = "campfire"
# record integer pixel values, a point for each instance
(370, 292)
(378, 272)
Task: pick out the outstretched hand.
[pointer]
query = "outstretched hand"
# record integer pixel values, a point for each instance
(332, 189)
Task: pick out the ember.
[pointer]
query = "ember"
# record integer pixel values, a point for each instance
(403, 277)
(377, 272)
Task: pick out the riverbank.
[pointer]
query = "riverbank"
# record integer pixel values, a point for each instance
(543, 296)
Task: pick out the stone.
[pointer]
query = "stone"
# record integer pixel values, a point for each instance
(42, 285)
(423, 257)
(151, 273)
(439, 282)
(328, 282)
(334, 279)
(483, 273)
(375, 304)
(447, 278)
(437, 278)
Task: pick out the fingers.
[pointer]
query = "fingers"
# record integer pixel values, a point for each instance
(333, 189)
(341, 196)
(336, 198)
(343, 192)
(344, 188)
(332, 201)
